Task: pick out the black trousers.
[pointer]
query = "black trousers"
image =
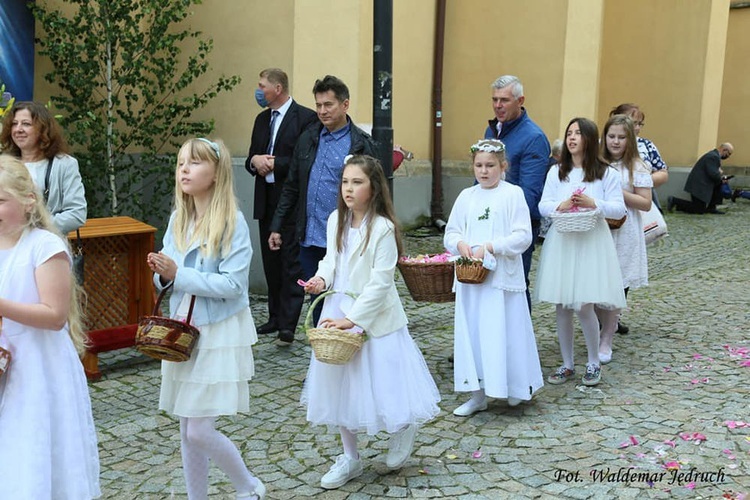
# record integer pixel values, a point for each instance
(282, 270)
(696, 206)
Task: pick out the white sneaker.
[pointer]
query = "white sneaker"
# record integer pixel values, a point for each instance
(344, 470)
(258, 493)
(514, 401)
(470, 407)
(605, 357)
(401, 446)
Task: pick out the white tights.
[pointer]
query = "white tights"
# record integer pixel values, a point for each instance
(349, 441)
(608, 320)
(590, 327)
(200, 441)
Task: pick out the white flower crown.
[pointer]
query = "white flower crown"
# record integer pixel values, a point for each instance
(488, 146)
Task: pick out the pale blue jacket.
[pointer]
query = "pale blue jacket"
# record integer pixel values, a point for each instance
(220, 284)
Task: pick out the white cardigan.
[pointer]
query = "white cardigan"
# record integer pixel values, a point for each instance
(377, 308)
(511, 232)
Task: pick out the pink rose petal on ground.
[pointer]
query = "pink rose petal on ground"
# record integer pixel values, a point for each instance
(745, 364)
(690, 486)
(697, 436)
(624, 444)
(667, 368)
(477, 454)
(726, 451)
(640, 455)
(670, 443)
(731, 424)
(695, 381)
(634, 440)
(671, 466)
(697, 356)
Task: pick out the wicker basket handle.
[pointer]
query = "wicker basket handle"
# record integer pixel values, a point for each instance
(161, 296)
(308, 317)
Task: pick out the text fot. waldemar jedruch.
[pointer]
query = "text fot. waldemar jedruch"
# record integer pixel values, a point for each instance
(633, 475)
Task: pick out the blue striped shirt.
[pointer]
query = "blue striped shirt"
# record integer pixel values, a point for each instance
(323, 185)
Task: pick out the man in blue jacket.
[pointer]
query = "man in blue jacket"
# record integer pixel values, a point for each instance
(526, 148)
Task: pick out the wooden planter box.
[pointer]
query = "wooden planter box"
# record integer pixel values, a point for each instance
(117, 283)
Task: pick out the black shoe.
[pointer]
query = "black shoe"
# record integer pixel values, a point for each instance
(622, 329)
(735, 194)
(717, 212)
(670, 204)
(285, 338)
(267, 328)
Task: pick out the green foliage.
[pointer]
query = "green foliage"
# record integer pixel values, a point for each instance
(128, 93)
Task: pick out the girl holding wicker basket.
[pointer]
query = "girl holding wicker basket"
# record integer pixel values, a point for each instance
(494, 350)
(578, 269)
(207, 254)
(386, 386)
(47, 431)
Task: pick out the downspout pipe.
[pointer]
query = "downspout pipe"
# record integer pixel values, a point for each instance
(436, 203)
(382, 71)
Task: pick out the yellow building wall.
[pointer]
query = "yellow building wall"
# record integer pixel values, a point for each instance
(663, 56)
(580, 62)
(734, 126)
(574, 57)
(485, 39)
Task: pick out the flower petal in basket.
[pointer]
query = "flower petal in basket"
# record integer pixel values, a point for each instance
(428, 281)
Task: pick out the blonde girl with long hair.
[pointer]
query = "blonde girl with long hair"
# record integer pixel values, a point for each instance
(206, 254)
(619, 149)
(49, 444)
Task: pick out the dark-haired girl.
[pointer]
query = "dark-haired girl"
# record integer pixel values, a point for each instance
(579, 270)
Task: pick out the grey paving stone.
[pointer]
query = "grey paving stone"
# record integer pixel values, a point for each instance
(654, 389)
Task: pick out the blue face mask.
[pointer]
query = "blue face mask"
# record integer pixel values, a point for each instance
(260, 98)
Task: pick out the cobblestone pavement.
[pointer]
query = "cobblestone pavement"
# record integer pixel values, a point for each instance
(664, 401)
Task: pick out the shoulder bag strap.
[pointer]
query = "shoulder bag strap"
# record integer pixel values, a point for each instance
(46, 179)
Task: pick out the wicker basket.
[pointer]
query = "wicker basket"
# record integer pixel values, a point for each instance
(4, 354)
(4, 360)
(471, 273)
(428, 281)
(332, 345)
(616, 223)
(165, 338)
(574, 222)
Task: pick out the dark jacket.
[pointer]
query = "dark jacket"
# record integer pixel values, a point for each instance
(296, 119)
(294, 195)
(705, 176)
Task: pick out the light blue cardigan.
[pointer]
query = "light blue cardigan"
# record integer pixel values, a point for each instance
(220, 284)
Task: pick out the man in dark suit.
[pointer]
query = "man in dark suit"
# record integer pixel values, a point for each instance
(704, 184)
(275, 135)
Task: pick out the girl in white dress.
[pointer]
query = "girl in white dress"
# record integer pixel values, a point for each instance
(48, 445)
(386, 386)
(495, 351)
(207, 254)
(620, 150)
(578, 270)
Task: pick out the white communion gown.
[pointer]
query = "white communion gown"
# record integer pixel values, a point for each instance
(385, 386)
